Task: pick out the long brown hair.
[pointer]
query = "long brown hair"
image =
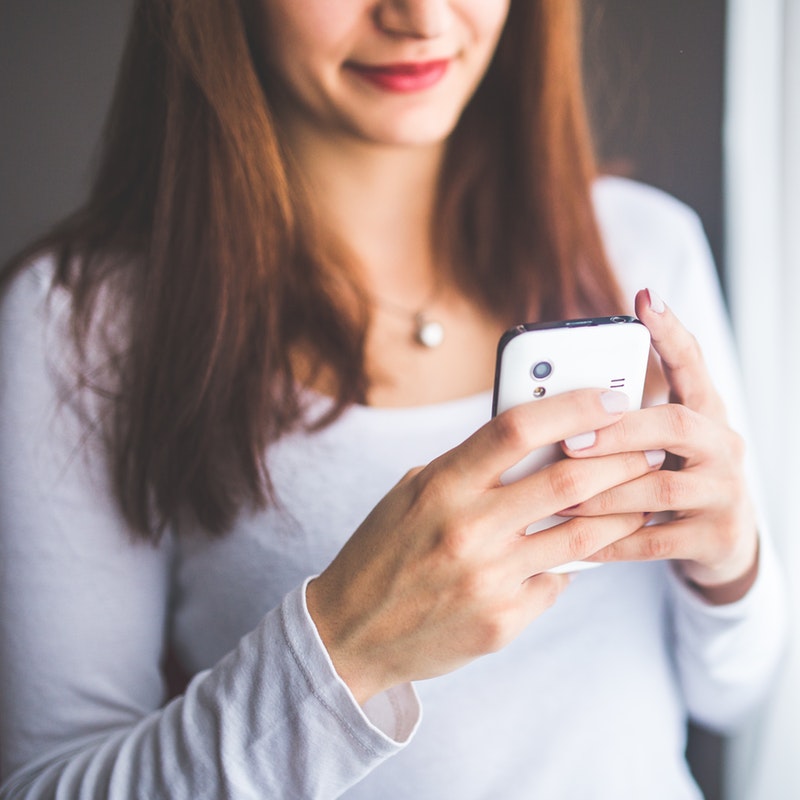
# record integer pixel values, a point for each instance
(194, 210)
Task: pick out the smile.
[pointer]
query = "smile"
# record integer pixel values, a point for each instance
(404, 77)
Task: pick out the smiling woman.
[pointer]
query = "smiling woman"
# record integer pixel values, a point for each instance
(393, 73)
(231, 456)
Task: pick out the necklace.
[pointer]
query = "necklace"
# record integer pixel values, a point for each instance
(426, 331)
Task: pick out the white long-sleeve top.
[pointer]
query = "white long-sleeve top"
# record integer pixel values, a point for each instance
(591, 701)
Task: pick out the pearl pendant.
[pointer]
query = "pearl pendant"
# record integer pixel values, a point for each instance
(428, 332)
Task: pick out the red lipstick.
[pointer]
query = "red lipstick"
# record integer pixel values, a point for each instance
(403, 77)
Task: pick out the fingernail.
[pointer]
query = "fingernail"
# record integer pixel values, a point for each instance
(656, 303)
(655, 458)
(581, 440)
(614, 402)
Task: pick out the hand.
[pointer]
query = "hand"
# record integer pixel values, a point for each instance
(441, 571)
(712, 533)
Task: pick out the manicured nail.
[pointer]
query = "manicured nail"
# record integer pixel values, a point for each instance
(656, 303)
(655, 458)
(581, 440)
(614, 402)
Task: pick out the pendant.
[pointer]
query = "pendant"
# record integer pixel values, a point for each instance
(428, 332)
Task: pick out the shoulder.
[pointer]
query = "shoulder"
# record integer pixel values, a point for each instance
(41, 352)
(31, 309)
(620, 202)
(651, 238)
(27, 288)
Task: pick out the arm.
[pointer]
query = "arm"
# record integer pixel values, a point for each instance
(727, 593)
(437, 575)
(83, 625)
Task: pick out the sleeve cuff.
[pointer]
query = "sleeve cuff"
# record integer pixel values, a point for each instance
(385, 723)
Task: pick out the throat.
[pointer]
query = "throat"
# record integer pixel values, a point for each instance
(456, 362)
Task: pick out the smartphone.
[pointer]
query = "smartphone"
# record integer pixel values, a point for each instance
(540, 360)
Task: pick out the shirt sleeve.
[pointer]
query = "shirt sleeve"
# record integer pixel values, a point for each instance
(83, 627)
(726, 656)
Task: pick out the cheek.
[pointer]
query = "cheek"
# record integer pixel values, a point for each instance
(303, 28)
(487, 17)
(305, 40)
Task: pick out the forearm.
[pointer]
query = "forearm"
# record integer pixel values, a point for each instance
(727, 653)
(255, 725)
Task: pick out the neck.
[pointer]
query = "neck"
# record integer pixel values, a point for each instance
(379, 201)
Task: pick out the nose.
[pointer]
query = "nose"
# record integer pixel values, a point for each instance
(418, 19)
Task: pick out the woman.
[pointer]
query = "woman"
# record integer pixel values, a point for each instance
(220, 378)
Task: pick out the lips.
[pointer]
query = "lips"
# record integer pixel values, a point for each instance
(403, 77)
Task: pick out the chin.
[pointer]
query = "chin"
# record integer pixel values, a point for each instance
(411, 131)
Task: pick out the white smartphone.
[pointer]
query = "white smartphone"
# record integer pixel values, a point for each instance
(544, 359)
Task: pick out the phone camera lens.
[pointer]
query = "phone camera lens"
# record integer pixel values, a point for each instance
(542, 370)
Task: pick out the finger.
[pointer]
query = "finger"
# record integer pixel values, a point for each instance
(681, 356)
(576, 540)
(512, 435)
(535, 595)
(541, 591)
(672, 427)
(562, 485)
(677, 539)
(658, 491)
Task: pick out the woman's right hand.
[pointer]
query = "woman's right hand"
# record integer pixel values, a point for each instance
(441, 570)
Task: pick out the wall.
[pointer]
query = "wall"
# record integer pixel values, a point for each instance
(57, 66)
(655, 72)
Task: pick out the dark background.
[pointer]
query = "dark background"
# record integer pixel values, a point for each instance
(655, 75)
(654, 70)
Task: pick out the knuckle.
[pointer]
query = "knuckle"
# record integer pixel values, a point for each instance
(495, 630)
(564, 482)
(620, 430)
(670, 490)
(473, 588)
(551, 588)
(412, 474)
(582, 539)
(511, 428)
(430, 486)
(491, 640)
(603, 503)
(456, 538)
(494, 636)
(656, 548)
(681, 421)
(634, 464)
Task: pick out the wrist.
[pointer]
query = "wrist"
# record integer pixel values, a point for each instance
(355, 674)
(728, 590)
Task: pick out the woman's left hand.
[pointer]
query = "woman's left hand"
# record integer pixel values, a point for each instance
(712, 532)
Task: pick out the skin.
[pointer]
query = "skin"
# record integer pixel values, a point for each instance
(441, 572)
(321, 42)
(371, 160)
(712, 536)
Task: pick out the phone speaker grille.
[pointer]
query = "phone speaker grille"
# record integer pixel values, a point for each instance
(618, 383)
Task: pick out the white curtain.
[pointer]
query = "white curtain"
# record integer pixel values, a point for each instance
(762, 136)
